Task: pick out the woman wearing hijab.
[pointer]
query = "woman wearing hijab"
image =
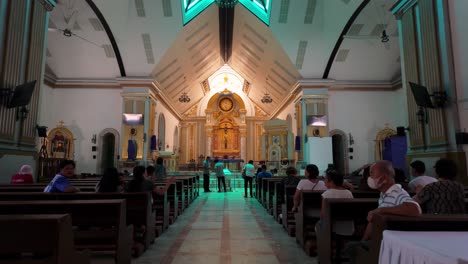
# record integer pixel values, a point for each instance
(24, 176)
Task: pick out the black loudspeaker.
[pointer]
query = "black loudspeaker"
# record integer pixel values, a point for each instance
(41, 131)
(461, 138)
(400, 131)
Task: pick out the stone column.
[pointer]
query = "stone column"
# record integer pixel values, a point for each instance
(243, 143)
(426, 57)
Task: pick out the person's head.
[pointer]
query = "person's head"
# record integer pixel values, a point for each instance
(139, 173)
(400, 176)
(446, 169)
(382, 175)
(207, 158)
(25, 169)
(264, 167)
(67, 168)
(418, 168)
(250, 161)
(109, 181)
(333, 179)
(150, 171)
(291, 171)
(311, 171)
(216, 160)
(159, 160)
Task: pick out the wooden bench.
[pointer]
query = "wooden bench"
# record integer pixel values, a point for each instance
(308, 213)
(161, 207)
(46, 239)
(101, 224)
(278, 199)
(270, 193)
(138, 207)
(25, 188)
(405, 223)
(288, 221)
(355, 210)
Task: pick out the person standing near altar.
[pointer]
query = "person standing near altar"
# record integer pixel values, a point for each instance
(219, 169)
(249, 169)
(206, 174)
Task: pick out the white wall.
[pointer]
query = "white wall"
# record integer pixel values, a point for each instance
(364, 114)
(289, 110)
(85, 112)
(458, 10)
(171, 123)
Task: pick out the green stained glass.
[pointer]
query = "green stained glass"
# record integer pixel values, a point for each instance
(192, 8)
(260, 8)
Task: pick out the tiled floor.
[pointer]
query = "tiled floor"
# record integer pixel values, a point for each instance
(224, 228)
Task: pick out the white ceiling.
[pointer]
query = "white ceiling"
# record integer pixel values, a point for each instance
(298, 45)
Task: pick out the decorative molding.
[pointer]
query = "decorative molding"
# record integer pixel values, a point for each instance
(401, 6)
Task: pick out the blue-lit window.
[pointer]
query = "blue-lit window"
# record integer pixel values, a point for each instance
(192, 8)
(260, 8)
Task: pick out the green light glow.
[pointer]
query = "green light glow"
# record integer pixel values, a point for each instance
(261, 9)
(192, 8)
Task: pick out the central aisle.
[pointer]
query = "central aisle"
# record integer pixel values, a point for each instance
(225, 228)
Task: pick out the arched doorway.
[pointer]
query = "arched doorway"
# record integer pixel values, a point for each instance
(162, 133)
(340, 151)
(108, 149)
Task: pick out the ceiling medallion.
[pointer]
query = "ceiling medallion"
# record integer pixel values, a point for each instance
(226, 3)
(266, 99)
(184, 98)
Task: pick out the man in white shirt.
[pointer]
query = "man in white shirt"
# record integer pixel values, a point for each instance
(418, 168)
(249, 175)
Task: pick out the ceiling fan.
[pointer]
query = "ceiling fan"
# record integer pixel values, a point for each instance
(69, 14)
(384, 38)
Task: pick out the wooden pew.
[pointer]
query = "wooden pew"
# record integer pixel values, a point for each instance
(288, 217)
(308, 213)
(406, 223)
(355, 210)
(270, 193)
(107, 215)
(278, 199)
(161, 207)
(138, 207)
(24, 188)
(48, 236)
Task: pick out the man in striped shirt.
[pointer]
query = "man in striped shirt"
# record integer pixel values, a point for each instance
(393, 200)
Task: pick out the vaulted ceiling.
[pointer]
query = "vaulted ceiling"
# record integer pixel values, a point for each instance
(153, 42)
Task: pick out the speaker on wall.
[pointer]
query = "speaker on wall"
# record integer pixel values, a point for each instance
(461, 138)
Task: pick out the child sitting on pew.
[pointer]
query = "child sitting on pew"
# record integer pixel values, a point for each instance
(334, 182)
(60, 182)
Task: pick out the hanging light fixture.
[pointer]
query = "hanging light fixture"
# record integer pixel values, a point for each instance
(184, 98)
(266, 99)
(226, 3)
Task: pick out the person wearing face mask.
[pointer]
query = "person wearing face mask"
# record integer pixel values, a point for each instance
(393, 200)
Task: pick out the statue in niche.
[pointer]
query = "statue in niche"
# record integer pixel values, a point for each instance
(60, 142)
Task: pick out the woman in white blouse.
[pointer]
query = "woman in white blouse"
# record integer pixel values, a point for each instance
(310, 184)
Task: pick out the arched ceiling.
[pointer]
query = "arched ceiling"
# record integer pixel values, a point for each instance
(154, 44)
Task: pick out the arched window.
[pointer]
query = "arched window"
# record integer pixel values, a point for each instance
(162, 132)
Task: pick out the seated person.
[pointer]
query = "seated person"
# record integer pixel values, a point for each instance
(60, 182)
(111, 181)
(139, 183)
(445, 196)
(418, 169)
(393, 200)
(400, 178)
(24, 176)
(309, 184)
(291, 178)
(160, 169)
(334, 182)
(264, 173)
(363, 179)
